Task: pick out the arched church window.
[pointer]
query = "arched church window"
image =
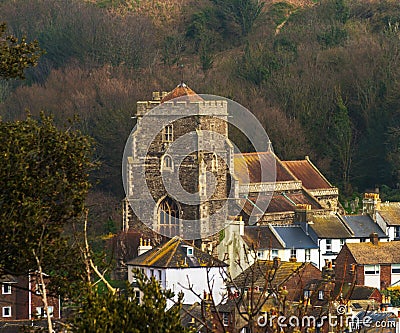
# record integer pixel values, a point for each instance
(168, 217)
(167, 163)
(168, 133)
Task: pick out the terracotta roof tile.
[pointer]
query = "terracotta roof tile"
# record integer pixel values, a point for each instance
(370, 254)
(248, 168)
(182, 92)
(173, 254)
(261, 237)
(305, 171)
(257, 273)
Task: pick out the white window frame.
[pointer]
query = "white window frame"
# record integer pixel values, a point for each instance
(189, 251)
(395, 267)
(225, 319)
(372, 269)
(321, 295)
(328, 245)
(293, 253)
(6, 288)
(397, 232)
(168, 133)
(274, 253)
(307, 254)
(9, 312)
(41, 313)
(167, 163)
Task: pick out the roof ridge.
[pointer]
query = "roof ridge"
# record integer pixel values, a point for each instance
(159, 251)
(173, 252)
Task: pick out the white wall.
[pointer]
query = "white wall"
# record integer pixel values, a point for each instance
(180, 279)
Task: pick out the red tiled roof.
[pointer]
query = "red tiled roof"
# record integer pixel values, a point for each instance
(280, 202)
(183, 92)
(305, 171)
(260, 237)
(248, 168)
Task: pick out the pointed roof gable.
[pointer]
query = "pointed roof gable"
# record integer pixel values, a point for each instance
(174, 254)
(308, 173)
(182, 92)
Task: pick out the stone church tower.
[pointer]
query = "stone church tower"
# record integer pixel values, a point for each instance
(178, 165)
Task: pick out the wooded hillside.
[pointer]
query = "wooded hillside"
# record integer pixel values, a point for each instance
(322, 76)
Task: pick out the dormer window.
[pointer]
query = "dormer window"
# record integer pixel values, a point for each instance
(189, 251)
(168, 133)
(167, 163)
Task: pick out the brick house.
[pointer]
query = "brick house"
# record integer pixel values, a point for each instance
(20, 299)
(374, 264)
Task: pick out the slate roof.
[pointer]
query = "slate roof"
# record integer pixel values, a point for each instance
(362, 293)
(295, 237)
(257, 273)
(183, 92)
(370, 254)
(362, 226)
(329, 226)
(305, 171)
(248, 168)
(173, 254)
(261, 237)
(390, 212)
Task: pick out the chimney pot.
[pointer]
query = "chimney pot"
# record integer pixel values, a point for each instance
(374, 238)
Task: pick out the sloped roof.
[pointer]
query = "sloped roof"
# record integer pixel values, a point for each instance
(329, 226)
(280, 202)
(295, 237)
(261, 237)
(261, 270)
(182, 92)
(390, 212)
(362, 226)
(309, 175)
(173, 254)
(370, 254)
(248, 168)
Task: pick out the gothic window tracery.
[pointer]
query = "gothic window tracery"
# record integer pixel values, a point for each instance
(168, 217)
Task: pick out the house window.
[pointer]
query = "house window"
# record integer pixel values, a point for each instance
(274, 253)
(342, 242)
(6, 289)
(168, 133)
(362, 240)
(225, 319)
(321, 295)
(308, 255)
(293, 253)
(41, 313)
(329, 245)
(397, 232)
(151, 272)
(395, 268)
(371, 269)
(167, 163)
(189, 251)
(168, 218)
(260, 254)
(159, 274)
(6, 311)
(307, 294)
(38, 289)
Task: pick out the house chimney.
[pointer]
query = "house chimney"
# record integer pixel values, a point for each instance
(301, 212)
(371, 203)
(277, 262)
(374, 238)
(144, 246)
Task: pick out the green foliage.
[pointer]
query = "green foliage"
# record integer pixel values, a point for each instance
(172, 50)
(124, 312)
(278, 12)
(43, 186)
(333, 36)
(16, 56)
(244, 13)
(394, 294)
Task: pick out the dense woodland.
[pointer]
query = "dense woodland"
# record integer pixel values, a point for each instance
(323, 77)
